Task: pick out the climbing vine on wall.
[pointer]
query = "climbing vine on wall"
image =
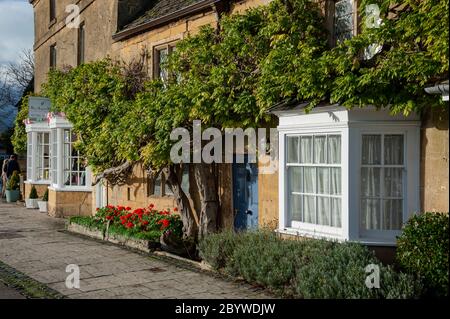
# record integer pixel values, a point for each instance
(231, 76)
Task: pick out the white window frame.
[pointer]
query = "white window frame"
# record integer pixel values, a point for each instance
(40, 171)
(58, 124)
(385, 235)
(32, 130)
(311, 226)
(351, 125)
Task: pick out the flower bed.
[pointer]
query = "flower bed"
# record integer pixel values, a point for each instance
(141, 228)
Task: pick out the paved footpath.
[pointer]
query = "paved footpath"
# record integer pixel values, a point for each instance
(9, 293)
(36, 245)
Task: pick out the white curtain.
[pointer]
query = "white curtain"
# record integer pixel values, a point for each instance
(335, 186)
(334, 149)
(336, 212)
(390, 202)
(309, 209)
(393, 150)
(315, 181)
(306, 149)
(371, 150)
(320, 149)
(292, 149)
(370, 211)
(393, 182)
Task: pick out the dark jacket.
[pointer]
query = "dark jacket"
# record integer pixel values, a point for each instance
(13, 165)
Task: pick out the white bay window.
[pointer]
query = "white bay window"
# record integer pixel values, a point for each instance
(68, 169)
(347, 174)
(314, 175)
(38, 153)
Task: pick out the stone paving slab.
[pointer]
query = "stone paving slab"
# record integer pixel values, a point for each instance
(41, 249)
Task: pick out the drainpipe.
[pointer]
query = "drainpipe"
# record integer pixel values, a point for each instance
(442, 88)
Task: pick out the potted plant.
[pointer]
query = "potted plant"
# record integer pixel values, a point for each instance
(32, 200)
(43, 203)
(13, 188)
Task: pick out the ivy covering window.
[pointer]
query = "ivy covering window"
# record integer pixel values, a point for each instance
(74, 164)
(160, 188)
(161, 56)
(314, 179)
(343, 20)
(43, 156)
(382, 182)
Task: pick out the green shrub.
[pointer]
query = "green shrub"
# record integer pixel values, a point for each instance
(13, 183)
(306, 268)
(340, 273)
(45, 197)
(33, 193)
(423, 250)
(267, 260)
(217, 249)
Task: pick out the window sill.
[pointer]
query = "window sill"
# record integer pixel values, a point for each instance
(375, 242)
(338, 238)
(71, 189)
(37, 182)
(309, 234)
(52, 23)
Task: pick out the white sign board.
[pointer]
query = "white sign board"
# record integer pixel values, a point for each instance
(38, 108)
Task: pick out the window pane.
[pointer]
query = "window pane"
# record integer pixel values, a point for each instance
(323, 180)
(334, 149)
(336, 212)
(295, 207)
(343, 20)
(392, 215)
(167, 190)
(370, 181)
(306, 149)
(309, 209)
(310, 180)
(185, 181)
(292, 149)
(335, 181)
(66, 136)
(295, 175)
(393, 150)
(157, 187)
(323, 211)
(371, 149)
(320, 149)
(393, 182)
(370, 214)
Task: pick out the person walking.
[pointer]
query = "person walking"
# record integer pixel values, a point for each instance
(13, 165)
(4, 176)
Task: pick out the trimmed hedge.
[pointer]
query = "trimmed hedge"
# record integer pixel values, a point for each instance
(423, 250)
(303, 268)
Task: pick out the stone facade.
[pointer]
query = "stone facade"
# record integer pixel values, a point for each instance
(434, 161)
(103, 18)
(40, 188)
(99, 18)
(69, 203)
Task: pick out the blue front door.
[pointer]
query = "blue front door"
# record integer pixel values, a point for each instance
(245, 195)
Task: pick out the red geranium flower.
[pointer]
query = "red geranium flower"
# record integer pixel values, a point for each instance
(165, 223)
(129, 225)
(175, 209)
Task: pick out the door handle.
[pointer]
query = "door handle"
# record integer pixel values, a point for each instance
(249, 212)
